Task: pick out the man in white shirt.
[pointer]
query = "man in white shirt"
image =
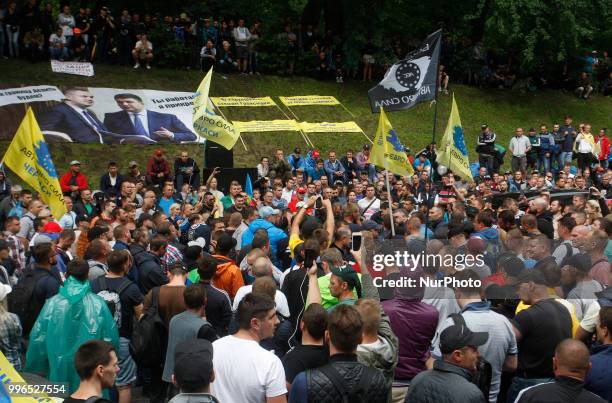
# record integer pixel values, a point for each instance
(289, 190)
(143, 51)
(519, 146)
(244, 371)
(68, 220)
(262, 268)
(242, 36)
(370, 204)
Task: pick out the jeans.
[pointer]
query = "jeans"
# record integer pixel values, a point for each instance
(371, 170)
(59, 53)
(544, 163)
(565, 156)
(193, 180)
(519, 384)
(253, 62)
(487, 161)
(13, 41)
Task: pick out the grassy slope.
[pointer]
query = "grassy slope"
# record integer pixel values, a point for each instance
(502, 110)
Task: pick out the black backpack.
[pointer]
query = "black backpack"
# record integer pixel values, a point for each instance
(22, 302)
(149, 336)
(484, 371)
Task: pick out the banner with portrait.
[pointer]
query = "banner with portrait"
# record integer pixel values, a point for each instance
(101, 115)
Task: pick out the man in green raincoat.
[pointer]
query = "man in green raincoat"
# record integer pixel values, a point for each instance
(72, 317)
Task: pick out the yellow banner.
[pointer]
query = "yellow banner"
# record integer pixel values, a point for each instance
(325, 100)
(387, 151)
(12, 382)
(452, 152)
(266, 126)
(29, 158)
(330, 127)
(222, 102)
(206, 123)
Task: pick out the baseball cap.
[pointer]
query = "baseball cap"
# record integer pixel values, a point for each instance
(369, 225)
(348, 274)
(580, 261)
(193, 361)
(309, 226)
(267, 211)
(484, 126)
(458, 336)
(225, 243)
(301, 190)
(315, 154)
(132, 164)
(52, 227)
(75, 162)
(41, 239)
(158, 153)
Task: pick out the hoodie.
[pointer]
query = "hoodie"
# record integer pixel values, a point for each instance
(228, 276)
(275, 235)
(67, 320)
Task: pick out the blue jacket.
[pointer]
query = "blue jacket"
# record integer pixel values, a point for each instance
(330, 168)
(599, 377)
(275, 235)
(295, 164)
(120, 123)
(64, 119)
(107, 188)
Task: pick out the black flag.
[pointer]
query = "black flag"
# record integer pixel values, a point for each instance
(411, 80)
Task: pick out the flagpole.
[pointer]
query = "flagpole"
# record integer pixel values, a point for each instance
(433, 131)
(390, 200)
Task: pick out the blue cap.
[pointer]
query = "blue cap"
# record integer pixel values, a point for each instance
(267, 211)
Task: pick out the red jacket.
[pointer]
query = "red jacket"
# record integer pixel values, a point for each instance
(81, 181)
(604, 143)
(154, 167)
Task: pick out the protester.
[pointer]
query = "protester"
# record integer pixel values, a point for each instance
(193, 371)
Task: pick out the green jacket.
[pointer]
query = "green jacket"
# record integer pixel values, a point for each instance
(72, 317)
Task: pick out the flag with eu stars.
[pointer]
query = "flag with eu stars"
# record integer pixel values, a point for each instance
(29, 158)
(452, 152)
(387, 151)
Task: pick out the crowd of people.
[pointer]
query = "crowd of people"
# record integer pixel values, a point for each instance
(238, 44)
(322, 283)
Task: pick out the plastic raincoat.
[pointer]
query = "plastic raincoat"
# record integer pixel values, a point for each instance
(72, 317)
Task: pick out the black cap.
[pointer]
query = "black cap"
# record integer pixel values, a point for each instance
(458, 336)
(193, 362)
(225, 243)
(366, 146)
(580, 261)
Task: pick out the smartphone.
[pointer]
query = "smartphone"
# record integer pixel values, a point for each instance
(356, 241)
(319, 202)
(310, 255)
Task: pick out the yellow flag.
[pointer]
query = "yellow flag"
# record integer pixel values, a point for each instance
(28, 157)
(206, 123)
(453, 152)
(387, 150)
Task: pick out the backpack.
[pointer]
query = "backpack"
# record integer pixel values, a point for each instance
(569, 252)
(113, 298)
(149, 336)
(484, 370)
(21, 300)
(356, 395)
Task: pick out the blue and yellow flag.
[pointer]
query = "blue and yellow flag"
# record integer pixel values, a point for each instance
(387, 151)
(28, 157)
(206, 123)
(453, 152)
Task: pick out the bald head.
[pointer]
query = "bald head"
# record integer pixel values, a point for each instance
(262, 267)
(571, 359)
(579, 235)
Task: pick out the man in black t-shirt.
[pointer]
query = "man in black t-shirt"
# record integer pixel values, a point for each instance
(96, 363)
(312, 353)
(109, 286)
(538, 330)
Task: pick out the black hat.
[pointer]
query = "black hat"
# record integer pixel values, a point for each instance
(225, 243)
(309, 226)
(193, 362)
(580, 261)
(458, 336)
